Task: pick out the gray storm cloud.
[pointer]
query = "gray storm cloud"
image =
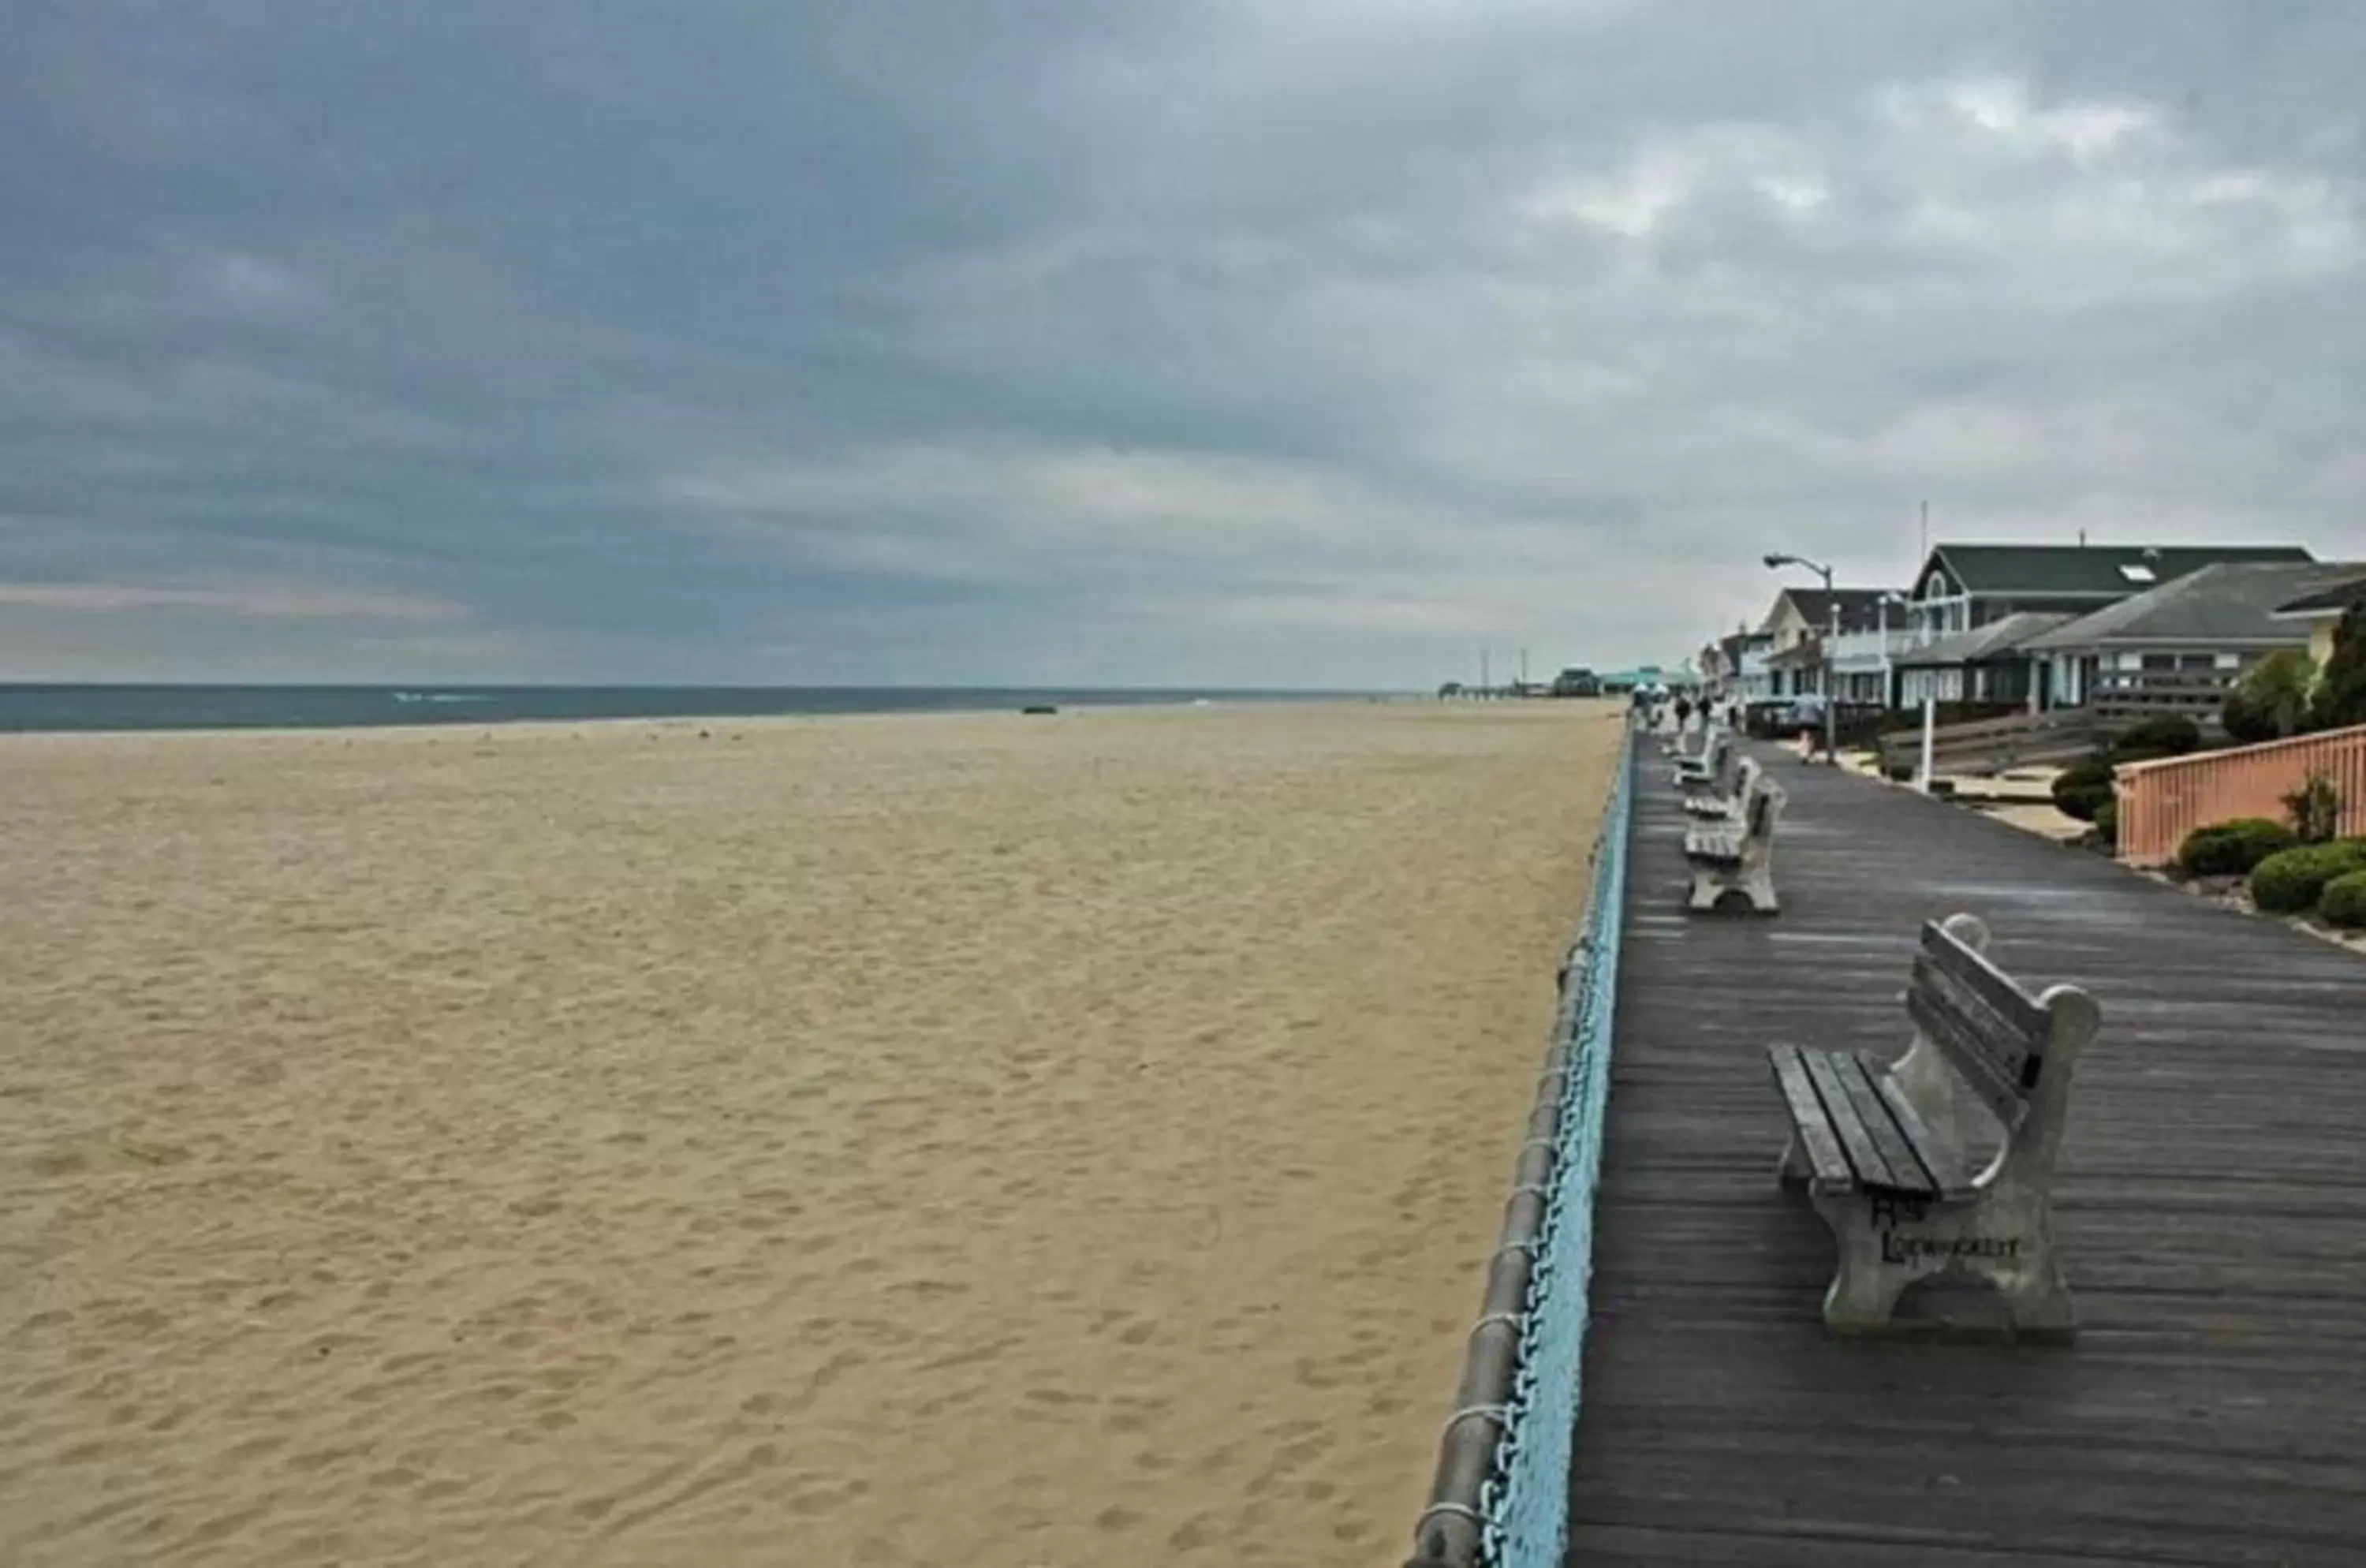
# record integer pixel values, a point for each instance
(1308, 345)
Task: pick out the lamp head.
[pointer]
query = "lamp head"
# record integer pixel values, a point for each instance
(1776, 562)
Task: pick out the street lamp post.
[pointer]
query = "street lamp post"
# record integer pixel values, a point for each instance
(1777, 561)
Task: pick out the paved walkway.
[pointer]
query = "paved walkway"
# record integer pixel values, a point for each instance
(2212, 1208)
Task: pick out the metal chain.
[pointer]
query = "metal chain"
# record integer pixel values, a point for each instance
(1527, 1503)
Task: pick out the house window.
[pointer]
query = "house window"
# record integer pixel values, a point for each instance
(2197, 661)
(2129, 662)
(2225, 662)
(2135, 573)
(2158, 662)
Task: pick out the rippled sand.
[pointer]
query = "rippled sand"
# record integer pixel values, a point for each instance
(985, 1141)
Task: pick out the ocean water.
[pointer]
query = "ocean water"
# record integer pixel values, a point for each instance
(28, 707)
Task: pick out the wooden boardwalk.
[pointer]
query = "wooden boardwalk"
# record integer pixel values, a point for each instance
(2212, 1201)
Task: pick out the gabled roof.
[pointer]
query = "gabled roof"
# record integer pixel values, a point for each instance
(1991, 641)
(1735, 644)
(2233, 604)
(1860, 607)
(2330, 599)
(2087, 570)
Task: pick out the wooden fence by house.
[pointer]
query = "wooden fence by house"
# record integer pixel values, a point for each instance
(1994, 745)
(2161, 802)
(2122, 700)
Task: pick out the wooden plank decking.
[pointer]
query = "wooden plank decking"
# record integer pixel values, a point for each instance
(2212, 1201)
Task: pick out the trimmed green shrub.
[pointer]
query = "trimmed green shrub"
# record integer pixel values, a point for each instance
(2107, 824)
(2341, 689)
(2232, 848)
(2343, 902)
(2292, 882)
(2272, 700)
(2245, 721)
(2083, 789)
(2171, 734)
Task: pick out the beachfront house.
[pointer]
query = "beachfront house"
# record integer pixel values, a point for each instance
(2180, 647)
(2316, 613)
(1975, 608)
(1710, 662)
(1733, 668)
(1873, 630)
(1986, 665)
(1742, 658)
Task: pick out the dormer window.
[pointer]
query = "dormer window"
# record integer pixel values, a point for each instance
(2137, 573)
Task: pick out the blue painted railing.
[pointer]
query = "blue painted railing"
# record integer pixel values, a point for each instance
(1505, 1504)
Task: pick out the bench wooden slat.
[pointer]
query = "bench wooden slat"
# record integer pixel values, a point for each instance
(2006, 1047)
(1829, 1161)
(1863, 1153)
(1948, 1173)
(1831, 1166)
(1708, 765)
(1906, 1170)
(1722, 849)
(1974, 969)
(1967, 1054)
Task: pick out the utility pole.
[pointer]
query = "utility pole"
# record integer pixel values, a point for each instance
(1523, 667)
(1924, 553)
(1482, 672)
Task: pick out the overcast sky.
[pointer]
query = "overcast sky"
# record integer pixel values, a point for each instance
(1302, 344)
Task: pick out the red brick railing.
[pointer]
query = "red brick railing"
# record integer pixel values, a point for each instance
(2161, 802)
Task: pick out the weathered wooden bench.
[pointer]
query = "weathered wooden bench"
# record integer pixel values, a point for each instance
(1709, 770)
(1891, 1156)
(1720, 799)
(1736, 854)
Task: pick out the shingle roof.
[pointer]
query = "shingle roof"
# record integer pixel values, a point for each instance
(2231, 603)
(1990, 641)
(1860, 607)
(2332, 598)
(2091, 568)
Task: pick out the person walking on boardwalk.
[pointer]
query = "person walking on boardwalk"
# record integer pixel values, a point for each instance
(1684, 712)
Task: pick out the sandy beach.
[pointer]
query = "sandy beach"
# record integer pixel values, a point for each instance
(979, 1140)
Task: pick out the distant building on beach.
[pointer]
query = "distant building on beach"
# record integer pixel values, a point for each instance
(1577, 682)
(1649, 677)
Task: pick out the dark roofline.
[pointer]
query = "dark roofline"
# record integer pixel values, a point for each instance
(2166, 642)
(2031, 593)
(1859, 608)
(2334, 600)
(1938, 556)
